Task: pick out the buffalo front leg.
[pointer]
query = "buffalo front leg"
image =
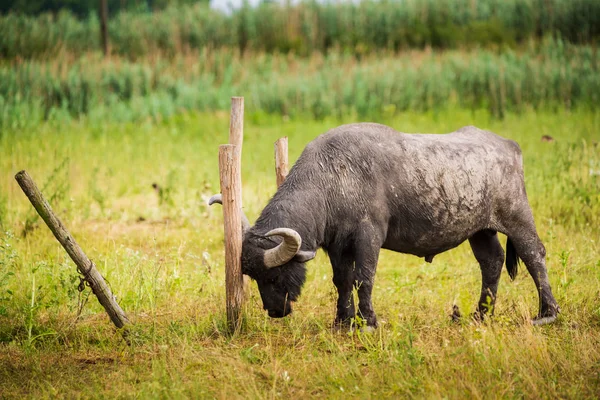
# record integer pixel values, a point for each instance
(490, 256)
(343, 279)
(367, 248)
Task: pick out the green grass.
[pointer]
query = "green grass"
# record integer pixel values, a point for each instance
(163, 257)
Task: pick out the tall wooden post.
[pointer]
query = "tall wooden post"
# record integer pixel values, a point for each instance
(236, 137)
(231, 190)
(236, 123)
(281, 159)
(104, 26)
(84, 265)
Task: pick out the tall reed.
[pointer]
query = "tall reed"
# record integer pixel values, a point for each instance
(554, 75)
(309, 26)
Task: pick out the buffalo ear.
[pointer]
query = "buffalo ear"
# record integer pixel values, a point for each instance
(304, 256)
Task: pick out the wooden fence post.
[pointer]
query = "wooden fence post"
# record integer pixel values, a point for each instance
(231, 189)
(281, 159)
(236, 137)
(84, 265)
(104, 26)
(236, 123)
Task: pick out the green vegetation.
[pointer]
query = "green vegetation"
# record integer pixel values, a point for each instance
(549, 76)
(125, 149)
(308, 27)
(163, 257)
(84, 8)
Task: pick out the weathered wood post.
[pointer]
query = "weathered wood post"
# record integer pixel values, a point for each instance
(104, 26)
(236, 123)
(236, 137)
(231, 191)
(84, 265)
(281, 159)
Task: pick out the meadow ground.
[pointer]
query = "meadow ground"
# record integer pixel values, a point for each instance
(161, 251)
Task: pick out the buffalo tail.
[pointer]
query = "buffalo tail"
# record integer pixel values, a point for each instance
(512, 259)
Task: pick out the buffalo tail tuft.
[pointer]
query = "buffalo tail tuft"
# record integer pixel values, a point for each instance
(512, 259)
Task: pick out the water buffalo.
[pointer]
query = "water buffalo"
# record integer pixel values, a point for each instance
(361, 187)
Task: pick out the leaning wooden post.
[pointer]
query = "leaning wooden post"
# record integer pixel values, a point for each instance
(84, 265)
(231, 190)
(281, 159)
(236, 137)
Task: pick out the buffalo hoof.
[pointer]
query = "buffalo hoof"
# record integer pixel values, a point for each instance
(456, 316)
(349, 327)
(544, 320)
(353, 329)
(367, 329)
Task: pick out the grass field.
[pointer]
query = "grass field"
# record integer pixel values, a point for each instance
(163, 256)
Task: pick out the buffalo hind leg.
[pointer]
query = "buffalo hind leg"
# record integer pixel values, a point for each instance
(343, 279)
(490, 256)
(530, 249)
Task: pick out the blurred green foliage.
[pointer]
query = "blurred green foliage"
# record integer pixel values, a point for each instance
(552, 75)
(307, 27)
(83, 8)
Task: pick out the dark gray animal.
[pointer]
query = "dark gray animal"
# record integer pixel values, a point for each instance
(362, 187)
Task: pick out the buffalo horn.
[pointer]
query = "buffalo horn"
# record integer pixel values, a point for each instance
(217, 198)
(284, 251)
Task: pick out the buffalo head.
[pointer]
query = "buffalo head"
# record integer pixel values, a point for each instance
(276, 263)
(274, 260)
